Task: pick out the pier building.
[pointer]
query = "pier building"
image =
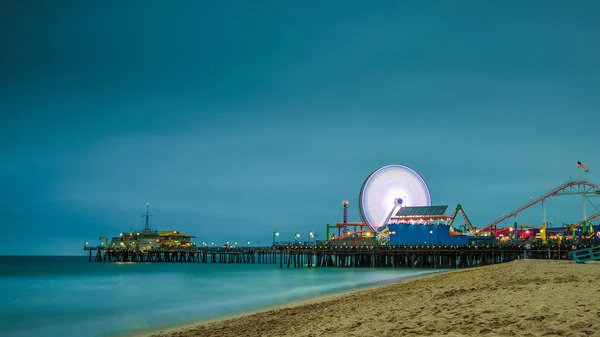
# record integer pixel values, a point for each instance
(174, 239)
(149, 239)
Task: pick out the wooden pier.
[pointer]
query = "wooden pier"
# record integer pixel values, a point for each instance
(207, 255)
(443, 257)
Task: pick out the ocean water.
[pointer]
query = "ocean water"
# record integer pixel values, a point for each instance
(68, 296)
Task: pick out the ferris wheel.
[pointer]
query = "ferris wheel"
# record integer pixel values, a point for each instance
(388, 187)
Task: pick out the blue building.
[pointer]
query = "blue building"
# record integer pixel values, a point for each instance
(426, 225)
(427, 234)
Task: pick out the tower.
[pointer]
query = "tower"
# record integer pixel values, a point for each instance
(345, 203)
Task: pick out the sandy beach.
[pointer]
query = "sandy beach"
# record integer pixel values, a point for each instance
(521, 298)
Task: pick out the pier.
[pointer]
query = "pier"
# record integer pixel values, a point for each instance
(442, 257)
(207, 255)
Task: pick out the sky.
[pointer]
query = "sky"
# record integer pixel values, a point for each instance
(234, 119)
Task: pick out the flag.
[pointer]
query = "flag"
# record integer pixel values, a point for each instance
(582, 165)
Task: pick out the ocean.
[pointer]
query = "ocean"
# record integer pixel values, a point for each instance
(69, 296)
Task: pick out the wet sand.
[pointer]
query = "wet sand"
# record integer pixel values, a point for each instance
(521, 298)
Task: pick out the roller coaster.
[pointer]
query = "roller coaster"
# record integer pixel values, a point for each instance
(572, 187)
(582, 187)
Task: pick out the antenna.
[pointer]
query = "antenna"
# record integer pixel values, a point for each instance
(147, 215)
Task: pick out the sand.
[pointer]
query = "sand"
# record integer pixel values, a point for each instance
(520, 298)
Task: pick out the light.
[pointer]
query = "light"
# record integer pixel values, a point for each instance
(248, 243)
(430, 231)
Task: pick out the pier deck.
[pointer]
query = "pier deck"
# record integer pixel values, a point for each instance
(343, 256)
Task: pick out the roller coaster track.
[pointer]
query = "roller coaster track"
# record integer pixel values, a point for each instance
(571, 187)
(571, 227)
(592, 217)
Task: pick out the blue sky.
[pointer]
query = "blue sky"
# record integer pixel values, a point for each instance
(233, 119)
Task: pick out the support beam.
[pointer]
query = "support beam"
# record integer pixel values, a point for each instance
(544, 231)
(584, 224)
(516, 238)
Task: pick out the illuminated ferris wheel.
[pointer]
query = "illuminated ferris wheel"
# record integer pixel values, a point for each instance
(388, 187)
